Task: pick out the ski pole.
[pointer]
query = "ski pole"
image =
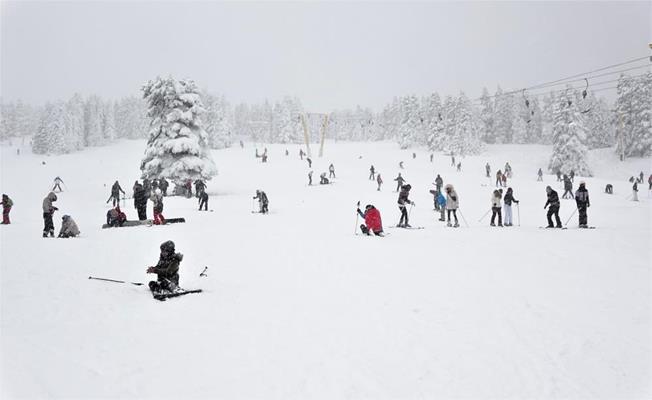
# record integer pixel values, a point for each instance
(569, 218)
(113, 280)
(463, 219)
(203, 273)
(485, 214)
(355, 231)
(518, 210)
(410, 211)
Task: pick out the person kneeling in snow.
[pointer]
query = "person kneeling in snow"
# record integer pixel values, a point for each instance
(372, 222)
(115, 217)
(167, 269)
(68, 227)
(263, 201)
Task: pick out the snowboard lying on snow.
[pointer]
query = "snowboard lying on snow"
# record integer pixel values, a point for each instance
(162, 296)
(147, 222)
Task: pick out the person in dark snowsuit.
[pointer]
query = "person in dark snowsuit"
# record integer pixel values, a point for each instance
(200, 186)
(379, 180)
(323, 180)
(331, 171)
(582, 201)
(68, 227)
(609, 189)
(399, 182)
(167, 269)
(553, 202)
(540, 175)
(155, 184)
(115, 194)
(203, 201)
(309, 162)
(310, 178)
(57, 184)
(188, 187)
(649, 182)
(568, 188)
(372, 173)
(263, 201)
(439, 182)
(147, 187)
(499, 178)
(508, 200)
(6, 208)
(402, 200)
(571, 175)
(372, 221)
(140, 201)
(48, 211)
(487, 169)
(163, 184)
(115, 217)
(635, 192)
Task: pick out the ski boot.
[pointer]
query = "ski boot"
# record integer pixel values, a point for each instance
(457, 225)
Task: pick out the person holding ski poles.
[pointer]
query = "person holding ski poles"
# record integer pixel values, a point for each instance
(372, 221)
(115, 194)
(167, 269)
(399, 182)
(372, 173)
(57, 184)
(553, 201)
(331, 171)
(379, 180)
(508, 200)
(402, 200)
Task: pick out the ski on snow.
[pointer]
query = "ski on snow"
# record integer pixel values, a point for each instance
(165, 296)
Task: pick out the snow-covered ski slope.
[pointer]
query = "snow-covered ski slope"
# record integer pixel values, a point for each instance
(295, 306)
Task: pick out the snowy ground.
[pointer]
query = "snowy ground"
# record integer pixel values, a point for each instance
(296, 307)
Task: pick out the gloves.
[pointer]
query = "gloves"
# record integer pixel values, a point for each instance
(150, 270)
(414, 204)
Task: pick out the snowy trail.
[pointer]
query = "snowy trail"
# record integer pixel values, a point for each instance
(295, 306)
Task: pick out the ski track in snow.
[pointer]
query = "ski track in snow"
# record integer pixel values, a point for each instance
(296, 306)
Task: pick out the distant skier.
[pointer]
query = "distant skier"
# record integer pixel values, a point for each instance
(440, 200)
(372, 222)
(7, 203)
(459, 166)
(147, 187)
(641, 176)
(68, 227)
(372, 173)
(200, 187)
(167, 269)
(558, 173)
(609, 189)
(499, 178)
(402, 200)
(431, 157)
(572, 176)
(331, 171)
(163, 184)
(203, 200)
(115, 217)
(309, 162)
(508, 170)
(301, 154)
(188, 188)
(414, 156)
(400, 165)
(157, 199)
(57, 184)
(508, 200)
(540, 175)
(635, 192)
(310, 178)
(434, 194)
(264, 157)
(140, 201)
(452, 160)
(553, 202)
(568, 188)
(504, 178)
(155, 184)
(323, 180)
(496, 207)
(452, 204)
(439, 182)
(263, 202)
(582, 201)
(487, 169)
(48, 211)
(649, 182)
(379, 181)
(399, 182)
(287, 152)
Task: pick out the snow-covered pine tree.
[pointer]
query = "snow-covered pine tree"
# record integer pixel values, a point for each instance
(546, 118)
(534, 128)
(50, 135)
(634, 116)
(177, 148)
(521, 115)
(108, 121)
(410, 121)
(217, 122)
(74, 120)
(569, 151)
(503, 122)
(131, 118)
(487, 117)
(93, 133)
(434, 122)
(287, 121)
(600, 130)
(466, 136)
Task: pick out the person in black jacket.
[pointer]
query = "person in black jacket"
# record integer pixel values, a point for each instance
(115, 194)
(582, 200)
(163, 184)
(553, 201)
(402, 200)
(508, 200)
(203, 200)
(263, 202)
(167, 269)
(568, 188)
(140, 201)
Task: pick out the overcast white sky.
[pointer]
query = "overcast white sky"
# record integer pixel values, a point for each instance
(331, 55)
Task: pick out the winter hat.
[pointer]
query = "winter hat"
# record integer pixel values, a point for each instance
(368, 206)
(168, 246)
(448, 187)
(407, 187)
(582, 183)
(548, 188)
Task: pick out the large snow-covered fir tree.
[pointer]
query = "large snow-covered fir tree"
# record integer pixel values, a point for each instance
(410, 125)
(131, 118)
(569, 151)
(634, 116)
(177, 148)
(465, 139)
(50, 136)
(217, 122)
(434, 122)
(600, 130)
(487, 117)
(74, 123)
(504, 119)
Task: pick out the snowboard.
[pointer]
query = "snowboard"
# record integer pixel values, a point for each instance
(147, 222)
(165, 296)
(552, 229)
(405, 227)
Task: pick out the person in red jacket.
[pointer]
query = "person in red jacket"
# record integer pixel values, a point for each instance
(372, 222)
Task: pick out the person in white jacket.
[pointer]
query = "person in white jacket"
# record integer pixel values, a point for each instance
(496, 207)
(69, 227)
(452, 204)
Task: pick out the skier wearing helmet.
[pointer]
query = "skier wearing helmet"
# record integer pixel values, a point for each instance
(402, 200)
(167, 269)
(372, 221)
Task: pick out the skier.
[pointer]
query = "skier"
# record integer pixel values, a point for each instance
(287, 152)
(155, 184)
(452, 204)
(441, 203)
(48, 210)
(568, 188)
(399, 179)
(372, 173)
(379, 180)
(323, 180)
(115, 217)
(140, 201)
(301, 153)
(263, 202)
(431, 156)
(649, 182)
(434, 194)
(609, 189)
(7, 203)
(452, 159)
(499, 178)
(487, 168)
(264, 157)
(582, 201)
(310, 178)
(508, 200)
(57, 184)
(635, 192)
(372, 221)
(157, 199)
(167, 269)
(402, 200)
(414, 156)
(188, 187)
(508, 170)
(68, 227)
(200, 186)
(540, 175)
(459, 166)
(331, 171)
(504, 183)
(553, 201)
(439, 182)
(163, 184)
(558, 173)
(495, 207)
(641, 176)
(203, 200)
(309, 162)
(572, 176)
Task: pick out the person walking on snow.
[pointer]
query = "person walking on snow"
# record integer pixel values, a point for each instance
(372, 221)
(372, 173)
(48, 211)
(68, 227)
(57, 184)
(635, 192)
(568, 188)
(439, 182)
(452, 204)
(140, 201)
(331, 171)
(7, 203)
(167, 269)
(379, 180)
(163, 184)
(310, 178)
(582, 201)
(402, 200)
(452, 159)
(499, 178)
(263, 202)
(649, 182)
(309, 162)
(495, 207)
(539, 175)
(301, 154)
(459, 166)
(504, 178)
(115, 194)
(203, 200)
(200, 186)
(399, 182)
(508, 200)
(157, 199)
(553, 202)
(487, 169)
